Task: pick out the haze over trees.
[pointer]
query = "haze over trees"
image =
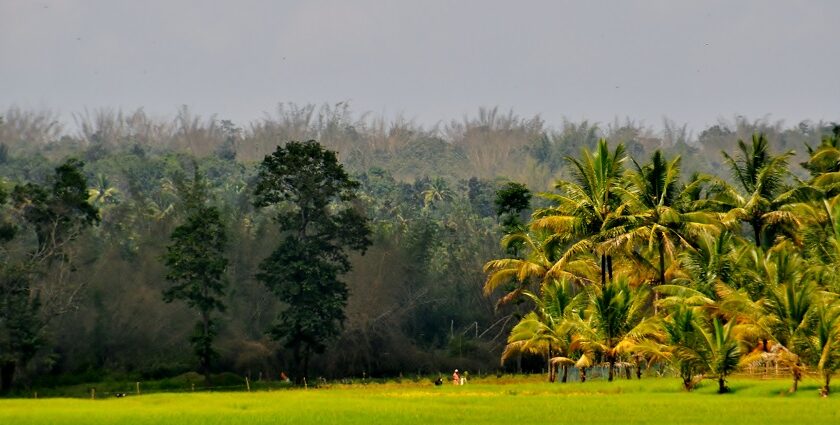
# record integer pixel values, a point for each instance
(414, 301)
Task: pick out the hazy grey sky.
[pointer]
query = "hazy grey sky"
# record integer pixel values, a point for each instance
(430, 60)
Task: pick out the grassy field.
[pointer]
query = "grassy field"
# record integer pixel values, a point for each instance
(490, 401)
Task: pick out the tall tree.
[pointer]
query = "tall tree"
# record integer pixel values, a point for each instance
(585, 203)
(541, 331)
(616, 320)
(312, 200)
(760, 176)
(196, 265)
(511, 200)
(38, 230)
(658, 214)
(823, 346)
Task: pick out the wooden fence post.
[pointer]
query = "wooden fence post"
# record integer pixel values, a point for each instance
(248, 384)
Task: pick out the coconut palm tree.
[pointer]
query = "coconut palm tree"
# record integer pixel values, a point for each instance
(437, 191)
(584, 204)
(103, 193)
(823, 346)
(774, 306)
(708, 263)
(698, 346)
(679, 335)
(542, 331)
(719, 351)
(658, 214)
(760, 177)
(615, 320)
(791, 310)
(824, 163)
(695, 339)
(541, 251)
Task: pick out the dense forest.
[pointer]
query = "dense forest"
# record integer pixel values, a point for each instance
(97, 291)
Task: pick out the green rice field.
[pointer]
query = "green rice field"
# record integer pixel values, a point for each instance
(489, 401)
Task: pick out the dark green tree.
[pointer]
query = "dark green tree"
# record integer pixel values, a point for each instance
(511, 201)
(196, 265)
(311, 197)
(37, 230)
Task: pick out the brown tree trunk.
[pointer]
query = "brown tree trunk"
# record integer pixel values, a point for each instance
(306, 355)
(756, 232)
(661, 274)
(583, 374)
(551, 373)
(638, 369)
(603, 270)
(565, 373)
(797, 376)
(722, 386)
(827, 388)
(7, 373)
(205, 351)
(661, 261)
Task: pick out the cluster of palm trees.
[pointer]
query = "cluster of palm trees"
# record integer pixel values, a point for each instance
(632, 265)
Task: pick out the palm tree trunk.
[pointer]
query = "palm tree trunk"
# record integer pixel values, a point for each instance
(721, 385)
(565, 373)
(612, 369)
(797, 376)
(603, 270)
(661, 274)
(827, 388)
(548, 363)
(583, 374)
(661, 261)
(609, 267)
(756, 225)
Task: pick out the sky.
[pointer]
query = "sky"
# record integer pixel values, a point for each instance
(430, 61)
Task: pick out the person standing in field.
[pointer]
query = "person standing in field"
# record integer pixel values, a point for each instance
(456, 379)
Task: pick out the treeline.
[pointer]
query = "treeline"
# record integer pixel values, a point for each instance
(415, 301)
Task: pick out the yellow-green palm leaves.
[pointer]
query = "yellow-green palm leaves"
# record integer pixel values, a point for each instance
(584, 204)
(615, 320)
(656, 213)
(760, 176)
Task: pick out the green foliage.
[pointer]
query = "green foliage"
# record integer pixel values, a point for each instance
(511, 201)
(312, 198)
(196, 263)
(57, 216)
(429, 194)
